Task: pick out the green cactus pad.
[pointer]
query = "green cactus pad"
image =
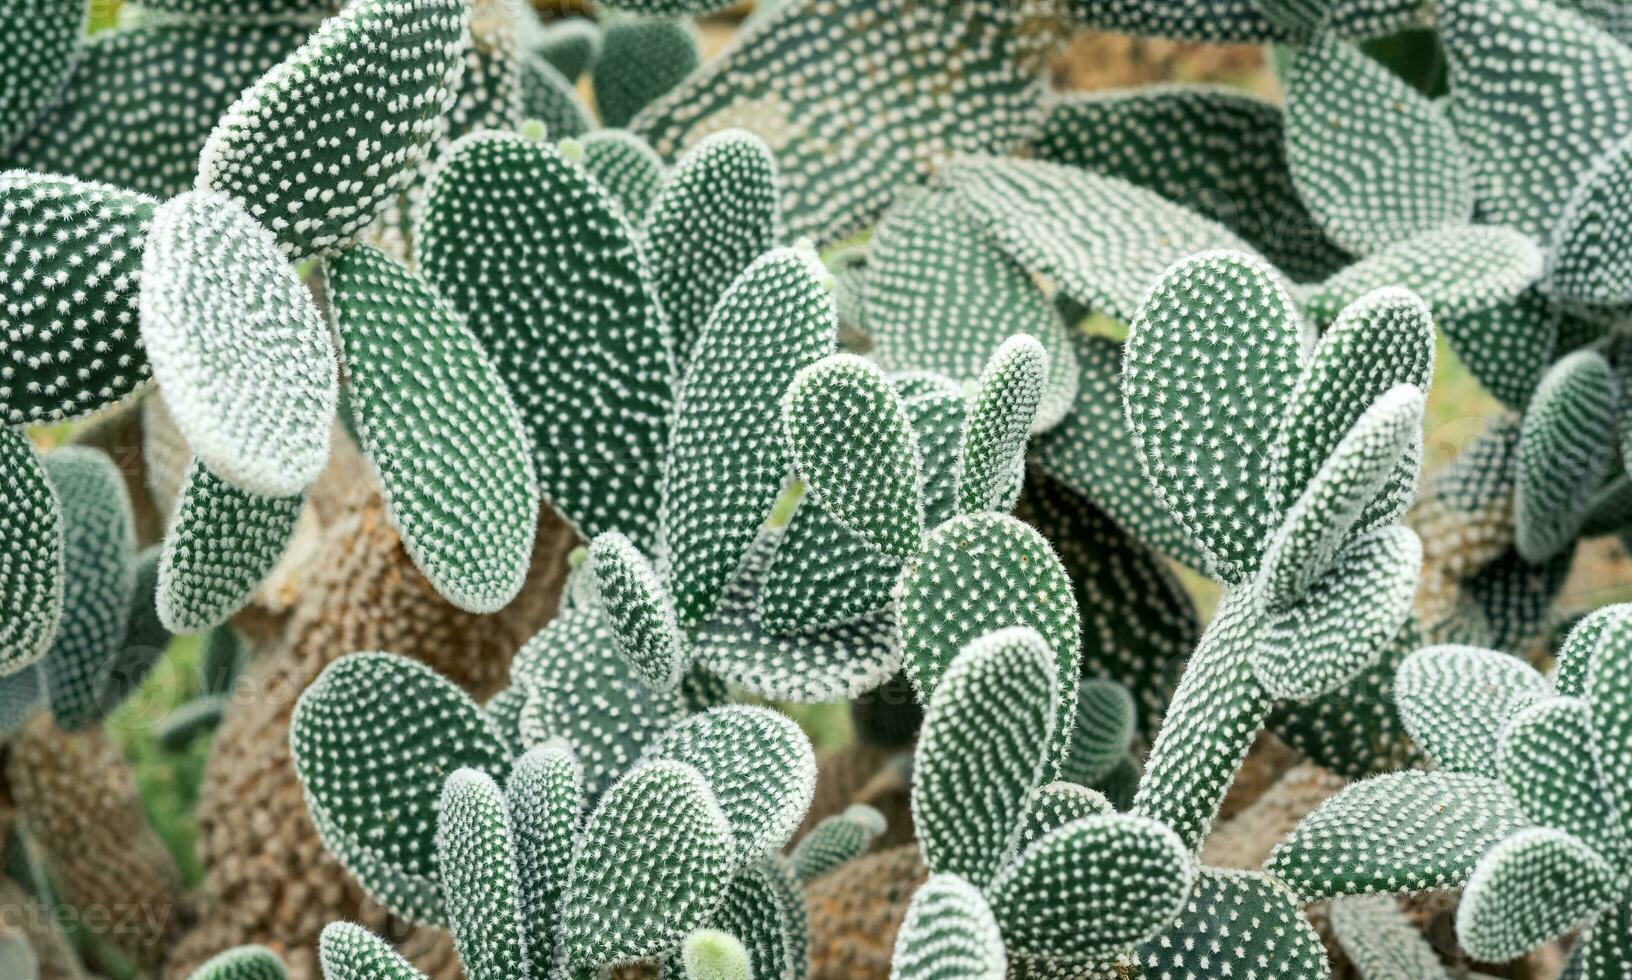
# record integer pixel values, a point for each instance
(727, 459)
(716, 214)
(350, 952)
(487, 93)
(949, 934)
(1538, 759)
(1205, 412)
(31, 529)
(1381, 942)
(1507, 346)
(668, 8)
(641, 58)
(242, 963)
(177, 76)
(638, 610)
(1342, 623)
(98, 579)
(20, 694)
(1513, 599)
(1101, 240)
(1455, 699)
(1605, 948)
(971, 84)
(1458, 271)
(1400, 832)
(571, 45)
(1532, 887)
(41, 44)
(1588, 263)
(371, 794)
(221, 544)
(546, 793)
(1329, 513)
(1103, 733)
(986, 744)
(1373, 158)
(238, 345)
(942, 299)
(1092, 887)
(1001, 414)
(835, 840)
(1219, 150)
(547, 96)
(145, 636)
(1056, 805)
(1383, 339)
(1607, 679)
(630, 170)
(759, 765)
(1235, 924)
(481, 890)
(853, 443)
(1093, 452)
(654, 861)
(453, 458)
(352, 127)
(1532, 127)
(977, 574)
(584, 350)
(765, 908)
(1138, 622)
(823, 574)
(583, 690)
(1575, 655)
(68, 311)
(1566, 442)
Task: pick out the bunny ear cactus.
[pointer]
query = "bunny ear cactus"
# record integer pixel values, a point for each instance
(949, 931)
(476, 848)
(243, 963)
(835, 840)
(32, 582)
(622, 163)
(1587, 264)
(350, 952)
(1234, 923)
(1001, 415)
(641, 58)
(1566, 441)
(35, 61)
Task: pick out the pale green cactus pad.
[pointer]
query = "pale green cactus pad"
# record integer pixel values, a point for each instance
(546, 796)
(68, 289)
(985, 746)
(641, 58)
(98, 579)
(631, 171)
(350, 952)
(1530, 124)
(1588, 264)
(242, 963)
(221, 544)
(371, 798)
(949, 932)
(353, 128)
(1400, 832)
(717, 212)
(582, 689)
(1454, 700)
(1101, 240)
(585, 352)
(238, 345)
(1001, 414)
(727, 459)
(42, 41)
(980, 573)
(31, 580)
(476, 849)
(971, 85)
(1093, 453)
(454, 461)
(654, 861)
(178, 76)
(853, 444)
(759, 765)
(710, 954)
(1533, 886)
(1235, 924)
(1374, 159)
(1219, 150)
(1205, 416)
(943, 298)
(1093, 887)
(1566, 444)
(638, 610)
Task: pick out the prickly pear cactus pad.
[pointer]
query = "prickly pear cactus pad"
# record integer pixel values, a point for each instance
(31, 569)
(243, 963)
(238, 345)
(585, 351)
(1235, 924)
(639, 610)
(1001, 414)
(1565, 443)
(640, 59)
(356, 109)
(69, 342)
(622, 163)
(949, 931)
(1588, 264)
(546, 797)
(42, 40)
(968, 80)
(350, 952)
(436, 420)
(480, 888)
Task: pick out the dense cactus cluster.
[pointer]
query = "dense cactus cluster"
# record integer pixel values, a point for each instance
(536, 421)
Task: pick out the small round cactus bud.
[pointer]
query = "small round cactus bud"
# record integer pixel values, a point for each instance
(31, 531)
(352, 127)
(238, 345)
(570, 149)
(533, 130)
(710, 954)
